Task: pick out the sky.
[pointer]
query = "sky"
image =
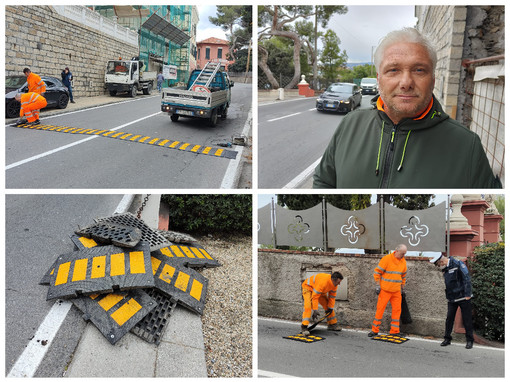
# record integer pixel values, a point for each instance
(204, 28)
(362, 27)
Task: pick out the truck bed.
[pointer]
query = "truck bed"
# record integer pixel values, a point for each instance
(183, 97)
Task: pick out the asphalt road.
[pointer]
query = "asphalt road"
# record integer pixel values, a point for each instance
(351, 353)
(37, 229)
(45, 159)
(292, 136)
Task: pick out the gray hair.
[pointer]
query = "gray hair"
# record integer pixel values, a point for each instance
(401, 247)
(404, 35)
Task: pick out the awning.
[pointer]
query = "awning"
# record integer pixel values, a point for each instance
(161, 27)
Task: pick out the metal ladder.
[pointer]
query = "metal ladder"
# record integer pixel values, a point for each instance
(207, 74)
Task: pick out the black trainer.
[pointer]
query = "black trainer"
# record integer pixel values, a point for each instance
(372, 334)
(446, 343)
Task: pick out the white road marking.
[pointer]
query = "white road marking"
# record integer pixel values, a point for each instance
(270, 374)
(285, 116)
(231, 176)
(42, 155)
(28, 362)
(301, 178)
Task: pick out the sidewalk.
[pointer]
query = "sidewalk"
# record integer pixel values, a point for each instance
(179, 354)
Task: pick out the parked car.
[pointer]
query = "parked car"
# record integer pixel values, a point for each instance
(56, 93)
(369, 86)
(339, 97)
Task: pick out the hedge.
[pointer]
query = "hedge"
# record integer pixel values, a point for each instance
(210, 213)
(488, 280)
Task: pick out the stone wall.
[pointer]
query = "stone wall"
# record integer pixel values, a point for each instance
(39, 38)
(280, 274)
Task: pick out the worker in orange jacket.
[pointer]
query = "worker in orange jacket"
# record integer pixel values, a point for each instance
(320, 288)
(31, 103)
(390, 276)
(35, 83)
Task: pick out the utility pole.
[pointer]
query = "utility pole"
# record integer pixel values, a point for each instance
(316, 53)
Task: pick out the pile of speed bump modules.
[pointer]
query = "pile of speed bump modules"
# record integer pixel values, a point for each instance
(390, 338)
(124, 277)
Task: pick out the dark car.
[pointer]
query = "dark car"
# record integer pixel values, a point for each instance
(56, 93)
(340, 97)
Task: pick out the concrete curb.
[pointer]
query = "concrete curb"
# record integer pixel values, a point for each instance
(181, 352)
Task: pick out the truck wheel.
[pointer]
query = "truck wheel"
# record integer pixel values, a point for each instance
(147, 90)
(174, 117)
(214, 118)
(113, 93)
(132, 93)
(224, 113)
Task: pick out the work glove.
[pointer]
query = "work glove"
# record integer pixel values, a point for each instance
(378, 289)
(328, 311)
(315, 314)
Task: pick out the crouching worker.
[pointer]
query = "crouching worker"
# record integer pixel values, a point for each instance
(320, 288)
(31, 104)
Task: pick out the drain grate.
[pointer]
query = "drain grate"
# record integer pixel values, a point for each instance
(116, 234)
(115, 314)
(154, 239)
(101, 269)
(152, 326)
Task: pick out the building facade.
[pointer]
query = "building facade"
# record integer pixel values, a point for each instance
(213, 49)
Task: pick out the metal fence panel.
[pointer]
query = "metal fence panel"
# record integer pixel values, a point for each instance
(422, 230)
(353, 229)
(299, 228)
(264, 225)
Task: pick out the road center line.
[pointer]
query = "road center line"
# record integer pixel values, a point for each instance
(285, 116)
(29, 361)
(42, 155)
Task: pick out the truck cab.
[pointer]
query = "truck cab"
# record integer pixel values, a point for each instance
(127, 76)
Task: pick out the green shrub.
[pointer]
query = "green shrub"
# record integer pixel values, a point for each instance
(488, 280)
(210, 213)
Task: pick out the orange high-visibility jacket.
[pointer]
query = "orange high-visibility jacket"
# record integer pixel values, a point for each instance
(35, 84)
(391, 272)
(31, 99)
(321, 284)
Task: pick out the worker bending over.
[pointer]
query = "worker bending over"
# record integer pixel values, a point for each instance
(31, 103)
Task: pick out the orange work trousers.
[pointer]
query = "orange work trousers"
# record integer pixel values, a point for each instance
(32, 109)
(396, 307)
(307, 312)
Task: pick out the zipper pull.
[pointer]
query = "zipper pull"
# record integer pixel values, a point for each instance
(392, 139)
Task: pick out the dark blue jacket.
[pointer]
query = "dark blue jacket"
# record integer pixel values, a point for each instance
(457, 281)
(67, 78)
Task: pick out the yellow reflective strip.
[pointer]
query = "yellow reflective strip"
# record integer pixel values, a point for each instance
(136, 136)
(219, 152)
(80, 270)
(100, 132)
(116, 135)
(155, 265)
(195, 148)
(126, 311)
(177, 251)
(98, 267)
(188, 252)
(93, 296)
(206, 150)
(196, 290)
(109, 301)
(87, 243)
(108, 133)
(68, 129)
(77, 131)
(153, 141)
(52, 271)
(162, 143)
(166, 251)
(136, 263)
(92, 131)
(184, 146)
(174, 144)
(182, 281)
(117, 266)
(125, 136)
(84, 131)
(167, 273)
(197, 253)
(62, 273)
(143, 139)
(206, 254)
(53, 128)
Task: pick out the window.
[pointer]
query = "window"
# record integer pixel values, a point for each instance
(220, 53)
(198, 54)
(207, 53)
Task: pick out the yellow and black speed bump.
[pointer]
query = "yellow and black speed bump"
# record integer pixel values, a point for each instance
(115, 314)
(110, 233)
(101, 269)
(140, 138)
(184, 284)
(306, 339)
(155, 239)
(193, 256)
(390, 338)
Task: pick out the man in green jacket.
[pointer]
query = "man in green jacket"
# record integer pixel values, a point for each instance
(409, 141)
